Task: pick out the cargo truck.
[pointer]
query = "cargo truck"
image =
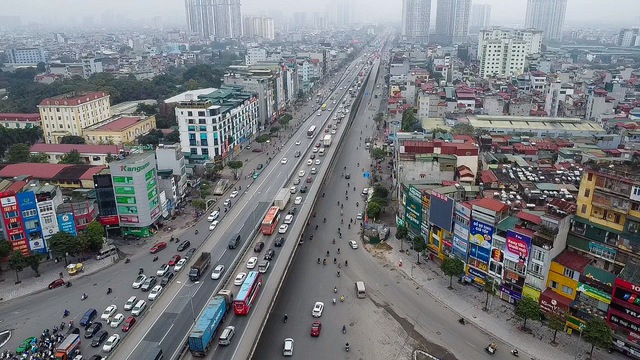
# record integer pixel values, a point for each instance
(66, 350)
(197, 269)
(326, 141)
(203, 332)
(282, 198)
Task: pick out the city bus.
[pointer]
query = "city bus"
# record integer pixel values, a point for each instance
(311, 131)
(248, 293)
(324, 107)
(270, 221)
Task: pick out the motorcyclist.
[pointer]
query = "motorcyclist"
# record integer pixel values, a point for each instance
(66, 312)
(109, 291)
(344, 328)
(327, 252)
(346, 263)
(338, 250)
(286, 317)
(334, 301)
(318, 260)
(338, 273)
(196, 231)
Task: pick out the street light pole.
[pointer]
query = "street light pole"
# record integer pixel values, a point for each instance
(193, 313)
(579, 338)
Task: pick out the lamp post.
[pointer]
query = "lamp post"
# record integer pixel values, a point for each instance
(193, 313)
(579, 338)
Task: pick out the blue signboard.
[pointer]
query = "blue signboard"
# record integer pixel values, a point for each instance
(442, 214)
(479, 253)
(67, 223)
(481, 234)
(33, 229)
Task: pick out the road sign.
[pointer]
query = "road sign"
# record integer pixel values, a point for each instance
(366, 175)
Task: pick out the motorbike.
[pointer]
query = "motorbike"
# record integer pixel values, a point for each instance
(324, 261)
(335, 289)
(127, 260)
(344, 329)
(316, 226)
(341, 298)
(83, 297)
(349, 226)
(333, 241)
(462, 321)
(318, 260)
(338, 273)
(346, 347)
(514, 352)
(68, 284)
(196, 231)
(109, 291)
(140, 271)
(286, 318)
(491, 348)
(346, 263)
(65, 314)
(334, 301)
(339, 265)
(155, 258)
(62, 325)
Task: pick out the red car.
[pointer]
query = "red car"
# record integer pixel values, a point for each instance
(174, 260)
(316, 327)
(56, 283)
(128, 323)
(157, 247)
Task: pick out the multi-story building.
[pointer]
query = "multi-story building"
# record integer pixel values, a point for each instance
(119, 130)
(32, 55)
(504, 51)
(19, 121)
(628, 37)
(546, 16)
(137, 198)
(227, 19)
(71, 113)
(416, 15)
(258, 26)
(171, 169)
(480, 17)
(255, 55)
(213, 126)
(200, 17)
(624, 309)
(452, 21)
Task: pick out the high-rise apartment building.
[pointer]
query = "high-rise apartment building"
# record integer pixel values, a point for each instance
(344, 12)
(200, 18)
(504, 51)
(258, 26)
(452, 21)
(480, 17)
(416, 16)
(27, 55)
(547, 16)
(219, 19)
(628, 37)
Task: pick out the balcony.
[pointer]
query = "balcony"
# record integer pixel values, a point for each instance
(544, 237)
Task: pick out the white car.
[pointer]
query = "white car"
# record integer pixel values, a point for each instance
(287, 350)
(139, 281)
(313, 171)
(365, 191)
(116, 321)
(214, 215)
(315, 150)
(226, 203)
(293, 190)
(111, 343)
(359, 216)
(213, 225)
(317, 309)
(155, 292)
(284, 161)
(239, 279)
(319, 114)
(301, 173)
(283, 228)
(217, 272)
(333, 131)
(297, 201)
(252, 262)
(233, 194)
(309, 162)
(318, 161)
(298, 142)
(353, 244)
(288, 219)
(163, 270)
(179, 265)
(108, 312)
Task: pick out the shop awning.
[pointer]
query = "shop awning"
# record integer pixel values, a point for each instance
(551, 301)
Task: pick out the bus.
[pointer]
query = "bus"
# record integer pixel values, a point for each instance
(311, 131)
(248, 293)
(270, 221)
(324, 107)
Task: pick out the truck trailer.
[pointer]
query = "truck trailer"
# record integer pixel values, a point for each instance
(282, 198)
(67, 349)
(197, 269)
(203, 332)
(326, 141)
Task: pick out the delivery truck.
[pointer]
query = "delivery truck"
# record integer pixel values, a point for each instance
(197, 269)
(203, 332)
(67, 349)
(282, 198)
(326, 141)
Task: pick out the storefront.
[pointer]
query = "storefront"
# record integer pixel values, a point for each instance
(624, 315)
(552, 302)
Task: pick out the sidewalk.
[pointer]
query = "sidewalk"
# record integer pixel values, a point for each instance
(499, 322)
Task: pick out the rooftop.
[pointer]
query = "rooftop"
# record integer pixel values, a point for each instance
(490, 204)
(534, 123)
(189, 95)
(120, 123)
(572, 260)
(81, 148)
(73, 99)
(19, 117)
(631, 273)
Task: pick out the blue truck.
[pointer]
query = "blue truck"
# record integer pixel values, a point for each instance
(203, 332)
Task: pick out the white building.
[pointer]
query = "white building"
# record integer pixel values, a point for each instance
(27, 55)
(547, 16)
(504, 51)
(255, 55)
(628, 37)
(416, 16)
(200, 17)
(452, 21)
(227, 19)
(258, 26)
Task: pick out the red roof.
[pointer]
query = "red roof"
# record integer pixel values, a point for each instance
(38, 171)
(82, 148)
(527, 216)
(16, 186)
(119, 124)
(88, 175)
(487, 176)
(572, 260)
(73, 101)
(19, 117)
(490, 204)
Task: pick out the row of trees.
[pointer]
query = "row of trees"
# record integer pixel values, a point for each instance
(378, 202)
(596, 331)
(10, 137)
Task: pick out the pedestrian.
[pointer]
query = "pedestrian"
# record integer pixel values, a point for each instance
(61, 275)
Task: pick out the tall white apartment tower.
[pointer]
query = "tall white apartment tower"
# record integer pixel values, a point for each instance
(548, 16)
(228, 19)
(452, 21)
(416, 16)
(504, 51)
(480, 17)
(200, 17)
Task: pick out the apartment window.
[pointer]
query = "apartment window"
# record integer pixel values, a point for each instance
(537, 254)
(13, 225)
(583, 209)
(82, 221)
(535, 269)
(202, 121)
(202, 128)
(29, 213)
(32, 224)
(201, 113)
(553, 285)
(567, 290)
(189, 113)
(589, 177)
(47, 219)
(191, 121)
(10, 214)
(569, 273)
(45, 208)
(18, 236)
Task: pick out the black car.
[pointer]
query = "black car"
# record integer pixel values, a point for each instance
(347, 176)
(279, 242)
(166, 278)
(184, 245)
(99, 338)
(292, 211)
(260, 166)
(258, 247)
(130, 237)
(92, 330)
(296, 154)
(269, 255)
(312, 156)
(303, 189)
(189, 253)
(96, 357)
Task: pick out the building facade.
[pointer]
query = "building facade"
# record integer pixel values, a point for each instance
(480, 17)
(258, 26)
(227, 19)
(416, 15)
(32, 55)
(546, 16)
(452, 21)
(504, 51)
(200, 17)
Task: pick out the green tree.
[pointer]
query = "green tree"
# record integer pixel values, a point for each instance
(597, 333)
(410, 121)
(212, 172)
(373, 209)
(261, 139)
(72, 139)
(39, 158)
(110, 158)
(274, 129)
(72, 157)
(62, 244)
(17, 262)
(173, 137)
(419, 244)
(96, 234)
(380, 191)
(401, 232)
(5, 248)
(199, 204)
(452, 267)
(33, 261)
(462, 129)
(557, 322)
(527, 308)
(41, 67)
(147, 109)
(235, 166)
(378, 153)
(18, 153)
(300, 94)
(490, 289)
(285, 119)
(379, 118)
(192, 84)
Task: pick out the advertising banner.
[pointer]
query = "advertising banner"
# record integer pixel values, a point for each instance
(481, 234)
(441, 214)
(595, 293)
(479, 253)
(460, 246)
(67, 223)
(413, 209)
(518, 247)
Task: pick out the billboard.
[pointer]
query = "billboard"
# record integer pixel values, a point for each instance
(67, 223)
(441, 211)
(32, 224)
(481, 234)
(518, 247)
(413, 208)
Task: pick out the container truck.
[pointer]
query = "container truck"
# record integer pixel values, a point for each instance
(66, 350)
(282, 198)
(197, 269)
(203, 332)
(326, 141)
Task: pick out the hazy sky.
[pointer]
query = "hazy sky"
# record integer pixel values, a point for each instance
(504, 12)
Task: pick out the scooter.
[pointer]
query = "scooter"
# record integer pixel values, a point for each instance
(514, 352)
(140, 271)
(344, 329)
(462, 321)
(346, 347)
(65, 314)
(155, 258)
(83, 297)
(68, 284)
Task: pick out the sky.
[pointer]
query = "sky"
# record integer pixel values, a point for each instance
(504, 12)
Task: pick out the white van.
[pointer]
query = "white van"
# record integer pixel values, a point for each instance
(227, 334)
(130, 303)
(141, 305)
(361, 292)
(105, 253)
(321, 152)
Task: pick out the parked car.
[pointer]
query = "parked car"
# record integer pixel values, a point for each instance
(111, 343)
(149, 283)
(180, 265)
(174, 259)
(166, 278)
(56, 283)
(92, 330)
